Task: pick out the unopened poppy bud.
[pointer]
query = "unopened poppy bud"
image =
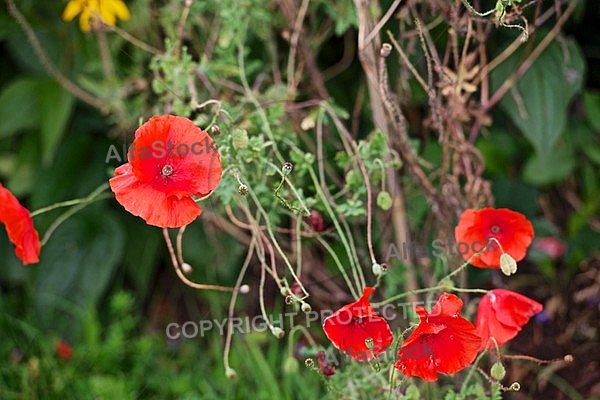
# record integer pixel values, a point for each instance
(568, 358)
(186, 268)
(287, 168)
(290, 365)
(515, 387)
(508, 265)
(306, 307)
(278, 332)
(244, 289)
(243, 190)
(498, 371)
(309, 362)
(215, 130)
(230, 373)
(384, 201)
(377, 270)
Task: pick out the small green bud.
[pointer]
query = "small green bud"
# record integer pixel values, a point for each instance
(287, 168)
(377, 270)
(498, 371)
(278, 332)
(384, 201)
(508, 265)
(284, 291)
(290, 365)
(306, 307)
(230, 373)
(369, 342)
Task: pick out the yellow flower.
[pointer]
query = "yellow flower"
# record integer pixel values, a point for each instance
(92, 12)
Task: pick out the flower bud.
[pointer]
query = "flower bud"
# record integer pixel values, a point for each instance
(215, 130)
(290, 365)
(278, 332)
(498, 371)
(508, 265)
(186, 268)
(306, 307)
(287, 168)
(230, 373)
(244, 289)
(377, 270)
(384, 201)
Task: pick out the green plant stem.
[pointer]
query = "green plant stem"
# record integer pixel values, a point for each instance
(353, 263)
(231, 309)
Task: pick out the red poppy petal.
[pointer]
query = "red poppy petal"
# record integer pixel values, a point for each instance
(444, 342)
(350, 326)
(502, 313)
(19, 227)
(178, 143)
(512, 230)
(155, 207)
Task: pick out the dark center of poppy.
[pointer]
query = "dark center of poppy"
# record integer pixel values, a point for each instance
(166, 170)
(495, 229)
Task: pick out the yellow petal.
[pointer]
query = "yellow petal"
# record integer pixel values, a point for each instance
(119, 9)
(85, 19)
(71, 10)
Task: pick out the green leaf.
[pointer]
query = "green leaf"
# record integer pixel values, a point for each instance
(56, 105)
(19, 105)
(546, 168)
(591, 101)
(539, 103)
(75, 268)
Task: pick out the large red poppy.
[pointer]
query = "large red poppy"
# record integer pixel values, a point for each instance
(358, 330)
(502, 314)
(475, 228)
(170, 160)
(19, 227)
(444, 342)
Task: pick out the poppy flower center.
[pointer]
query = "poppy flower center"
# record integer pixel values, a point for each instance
(166, 171)
(495, 229)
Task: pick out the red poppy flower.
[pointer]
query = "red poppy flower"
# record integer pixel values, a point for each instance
(63, 350)
(357, 330)
(170, 160)
(444, 342)
(475, 228)
(501, 314)
(19, 227)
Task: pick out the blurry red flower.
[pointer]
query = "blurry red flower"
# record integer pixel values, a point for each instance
(550, 246)
(326, 369)
(19, 227)
(63, 350)
(476, 227)
(350, 327)
(501, 314)
(315, 221)
(170, 160)
(444, 342)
